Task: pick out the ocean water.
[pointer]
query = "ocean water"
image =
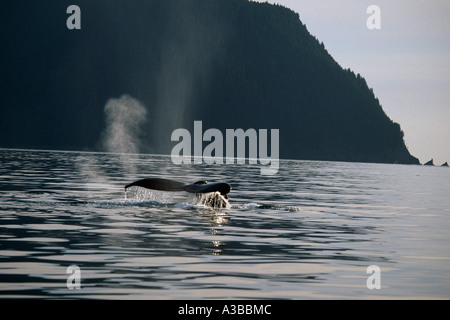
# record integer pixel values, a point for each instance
(309, 232)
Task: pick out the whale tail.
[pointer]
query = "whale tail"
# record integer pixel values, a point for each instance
(171, 185)
(158, 184)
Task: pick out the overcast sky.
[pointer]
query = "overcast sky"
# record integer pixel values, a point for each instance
(406, 62)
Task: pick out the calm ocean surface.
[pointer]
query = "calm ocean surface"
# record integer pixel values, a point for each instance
(309, 232)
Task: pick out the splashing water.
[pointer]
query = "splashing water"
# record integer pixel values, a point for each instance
(141, 194)
(212, 199)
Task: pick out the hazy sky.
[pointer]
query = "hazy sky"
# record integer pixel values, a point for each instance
(406, 62)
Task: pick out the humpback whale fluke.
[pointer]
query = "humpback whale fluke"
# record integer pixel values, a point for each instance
(171, 185)
(158, 184)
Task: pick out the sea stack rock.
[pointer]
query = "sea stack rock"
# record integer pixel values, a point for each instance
(444, 164)
(429, 163)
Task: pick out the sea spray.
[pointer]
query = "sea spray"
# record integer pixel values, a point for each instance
(212, 200)
(122, 137)
(124, 119)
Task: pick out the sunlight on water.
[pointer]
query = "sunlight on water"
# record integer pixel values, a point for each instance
(309, 232)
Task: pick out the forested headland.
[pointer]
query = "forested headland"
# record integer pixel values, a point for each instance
(228, 63)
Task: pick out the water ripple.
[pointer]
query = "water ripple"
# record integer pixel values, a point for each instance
(309, 232)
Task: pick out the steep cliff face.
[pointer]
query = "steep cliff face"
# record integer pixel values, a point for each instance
(228, 63)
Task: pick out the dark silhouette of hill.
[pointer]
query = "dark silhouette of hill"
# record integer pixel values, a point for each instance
(230, 63)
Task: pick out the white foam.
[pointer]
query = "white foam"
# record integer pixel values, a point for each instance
(212, 199)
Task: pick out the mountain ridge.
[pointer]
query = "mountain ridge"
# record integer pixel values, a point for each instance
(230, 64)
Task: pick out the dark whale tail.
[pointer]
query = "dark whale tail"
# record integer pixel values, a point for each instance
(171, 185)
(158, 184)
